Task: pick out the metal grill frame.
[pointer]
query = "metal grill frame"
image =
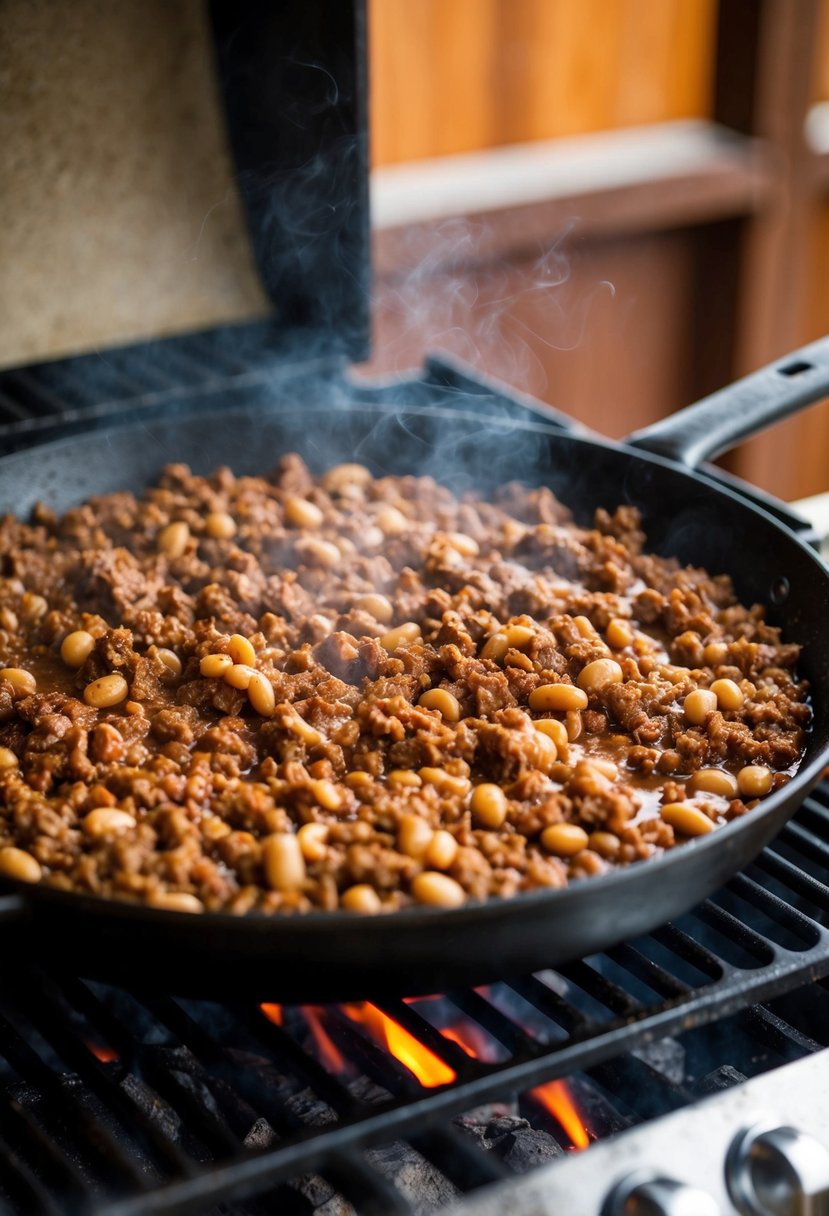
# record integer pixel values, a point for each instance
(421, 1117)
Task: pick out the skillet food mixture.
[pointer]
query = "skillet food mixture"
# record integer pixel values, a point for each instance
(291, 693)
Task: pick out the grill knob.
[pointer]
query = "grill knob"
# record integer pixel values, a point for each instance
(777, 1171)
(643, 1194)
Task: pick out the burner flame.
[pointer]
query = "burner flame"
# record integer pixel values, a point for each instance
(102, 1052)
(429, 1069)
(330, 1054)
(327, 1050)
(455, 1034)
(556, 1098)
(471, 1039)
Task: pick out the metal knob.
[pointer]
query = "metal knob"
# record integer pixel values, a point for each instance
(642, 1194)
(777, 1171)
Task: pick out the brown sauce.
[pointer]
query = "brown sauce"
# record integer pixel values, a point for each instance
(247, 730)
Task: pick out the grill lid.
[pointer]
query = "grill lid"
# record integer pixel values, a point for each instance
(279, 86)
(293, 79)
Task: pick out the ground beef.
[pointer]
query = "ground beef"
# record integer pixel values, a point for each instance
(300, 692)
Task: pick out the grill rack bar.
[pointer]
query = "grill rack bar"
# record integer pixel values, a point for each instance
(402, 1120)
(205, 371)
(596, 1010)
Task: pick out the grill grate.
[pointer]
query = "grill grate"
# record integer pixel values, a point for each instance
(209, 371)
(200, 370)
(119, 1104)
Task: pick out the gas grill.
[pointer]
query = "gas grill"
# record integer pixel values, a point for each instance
(120, 1102)
(654, 1060)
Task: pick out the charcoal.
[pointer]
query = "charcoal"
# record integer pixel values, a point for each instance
(505, 1125)
(315, 1189)
(260, 1135)
(264, 1066)
(335, 1206)
(299, 1100)
(301, 1105)
(519, 1145)
(306, 1107)
(422, 1183)
(191, 1078)
(30, 1098)
(322, 1198)
(598, 1112)
(721, 1078)
(524, 1150)
(149, 1103)
(213, 1094)
(365, 1090)
(482, 1115)
(268, 1070)
(665, 1056)
(487, 1129)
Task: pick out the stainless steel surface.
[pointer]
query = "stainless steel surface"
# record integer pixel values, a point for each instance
(816, 511)
(640, 1195)
(778, 1171)
(689, 1145)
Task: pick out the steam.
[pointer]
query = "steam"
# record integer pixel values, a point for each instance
(456, 293)
(474, 286)
(294, 105)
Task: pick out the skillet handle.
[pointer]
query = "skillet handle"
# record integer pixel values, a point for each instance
(739, 411)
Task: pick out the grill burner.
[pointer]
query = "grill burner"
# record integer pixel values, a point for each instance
(119, 1103)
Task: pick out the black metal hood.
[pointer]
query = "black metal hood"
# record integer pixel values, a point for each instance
(293, 77)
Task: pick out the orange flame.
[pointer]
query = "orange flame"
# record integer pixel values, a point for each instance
(555, 1096)
(473, 1040)
(105, 1054)
(429, 1069)
(455, 1034)
(328, 1051)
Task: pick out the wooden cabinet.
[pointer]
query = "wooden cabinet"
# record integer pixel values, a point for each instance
(528, 219)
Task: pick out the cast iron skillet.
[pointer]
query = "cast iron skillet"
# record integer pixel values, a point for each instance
(337, 956)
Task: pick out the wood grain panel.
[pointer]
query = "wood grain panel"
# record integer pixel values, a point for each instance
(783, 299)
(460, 75)
(601, 331)
(821, 77)
(554, 76)
(432, 76)
(792, 459)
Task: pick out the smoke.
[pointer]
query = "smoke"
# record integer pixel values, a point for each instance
(294, 98)
(477, 287)
(519, 316)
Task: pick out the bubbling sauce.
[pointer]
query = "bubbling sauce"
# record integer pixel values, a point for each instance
(295, 692)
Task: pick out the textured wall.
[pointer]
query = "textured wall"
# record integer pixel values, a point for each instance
(118, 215)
